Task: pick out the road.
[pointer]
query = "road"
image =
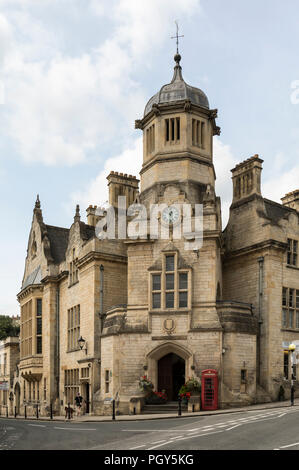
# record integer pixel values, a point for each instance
(272, 429)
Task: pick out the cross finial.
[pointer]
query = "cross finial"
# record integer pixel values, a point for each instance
(177, 37)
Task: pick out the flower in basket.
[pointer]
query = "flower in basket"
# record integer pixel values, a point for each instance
(145, 384)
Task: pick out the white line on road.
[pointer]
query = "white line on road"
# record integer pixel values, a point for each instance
(75, 429)
(37, 425)
(138, 447)
(183, 439)
(290, 445)
(236, 426)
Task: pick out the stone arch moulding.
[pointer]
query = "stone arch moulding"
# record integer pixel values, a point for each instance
(162, 350)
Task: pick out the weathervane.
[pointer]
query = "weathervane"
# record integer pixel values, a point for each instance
(177, 37)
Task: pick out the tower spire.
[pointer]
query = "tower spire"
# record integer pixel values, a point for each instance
(177, 57)
(77, 214)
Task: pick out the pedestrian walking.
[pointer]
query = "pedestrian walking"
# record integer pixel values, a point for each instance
(78, 404)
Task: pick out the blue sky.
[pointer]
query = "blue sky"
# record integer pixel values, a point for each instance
(77, 73)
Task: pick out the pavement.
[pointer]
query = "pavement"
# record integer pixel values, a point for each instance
(144, 417)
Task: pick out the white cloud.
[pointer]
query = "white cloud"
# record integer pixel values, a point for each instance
(224, 161)
(96, 193)
(59, 108)
(282, 181)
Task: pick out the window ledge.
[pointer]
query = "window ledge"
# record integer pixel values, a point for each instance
(291, 266)
(73, 350)
(293, 330)
(73, 284)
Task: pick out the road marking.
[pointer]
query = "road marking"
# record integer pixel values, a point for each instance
(237, 425)
(37, 425)
(183, 439)
(158, 442)
(138, 447)
(75, 429)
(290, 445)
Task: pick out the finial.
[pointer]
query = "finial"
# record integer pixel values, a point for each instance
(77, 214)
(177, 57)
(37, 202)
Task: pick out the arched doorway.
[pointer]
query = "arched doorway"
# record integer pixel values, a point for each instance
(171, 375)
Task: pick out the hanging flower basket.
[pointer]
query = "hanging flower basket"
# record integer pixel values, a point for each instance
(145, 385)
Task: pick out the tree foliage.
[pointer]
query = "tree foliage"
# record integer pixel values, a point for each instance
(7, 327)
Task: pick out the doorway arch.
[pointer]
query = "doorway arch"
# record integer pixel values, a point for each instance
(169, 364)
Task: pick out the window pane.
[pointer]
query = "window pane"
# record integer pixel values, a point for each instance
(291, 297)
(183, 281)
(156, 282)
(284, 318)
(297, 319)
(169, 300)
(284, 296)
(169, 281)
(183, 299)
(38, 326)
(39, 307)
(38, 345)
(291, 319)
(156, 300)
(169, 263)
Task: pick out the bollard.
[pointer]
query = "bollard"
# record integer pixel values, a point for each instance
(36, 411)
(25, 412)
(7, 412)
(15, 411)
(193, 408)
(292, 395)
(51, 411)
(180, 407)
(69, 411)
(113, 410)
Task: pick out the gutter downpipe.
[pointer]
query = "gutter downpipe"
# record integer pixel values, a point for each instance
(58, 345)
(260, 316)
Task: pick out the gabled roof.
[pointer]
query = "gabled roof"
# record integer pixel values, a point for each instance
(276, 211)
(58, 238)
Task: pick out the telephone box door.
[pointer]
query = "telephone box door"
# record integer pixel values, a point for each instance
(209, 389)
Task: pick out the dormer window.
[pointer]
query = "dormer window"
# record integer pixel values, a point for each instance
(172, 129)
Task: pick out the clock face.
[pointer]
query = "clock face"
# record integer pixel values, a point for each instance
(170, 215)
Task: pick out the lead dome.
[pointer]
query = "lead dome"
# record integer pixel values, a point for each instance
(177, 90)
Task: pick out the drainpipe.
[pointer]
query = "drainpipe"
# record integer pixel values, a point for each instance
(102, 296)
(260, 317)
(57, 343)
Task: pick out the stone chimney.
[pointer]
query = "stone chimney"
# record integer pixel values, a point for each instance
(91, 215)
(247, 178)
(291, 200)
(122, 185)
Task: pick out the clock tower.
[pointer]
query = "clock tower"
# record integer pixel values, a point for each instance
(178, 128)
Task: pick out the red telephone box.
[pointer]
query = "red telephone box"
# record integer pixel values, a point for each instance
(209, 389)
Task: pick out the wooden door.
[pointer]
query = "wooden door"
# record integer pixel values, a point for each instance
(165, 375)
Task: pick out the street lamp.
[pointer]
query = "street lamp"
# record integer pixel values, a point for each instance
(81, 342)
(292, 349)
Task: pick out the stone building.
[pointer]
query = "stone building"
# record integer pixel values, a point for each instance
(9, 359)
(154, 306)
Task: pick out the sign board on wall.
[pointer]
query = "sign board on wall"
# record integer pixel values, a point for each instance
(4, 386)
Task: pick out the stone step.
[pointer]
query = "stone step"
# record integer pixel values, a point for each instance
(170, 407)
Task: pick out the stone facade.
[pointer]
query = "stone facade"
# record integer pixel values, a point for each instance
(138, 304)
(9, 359)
